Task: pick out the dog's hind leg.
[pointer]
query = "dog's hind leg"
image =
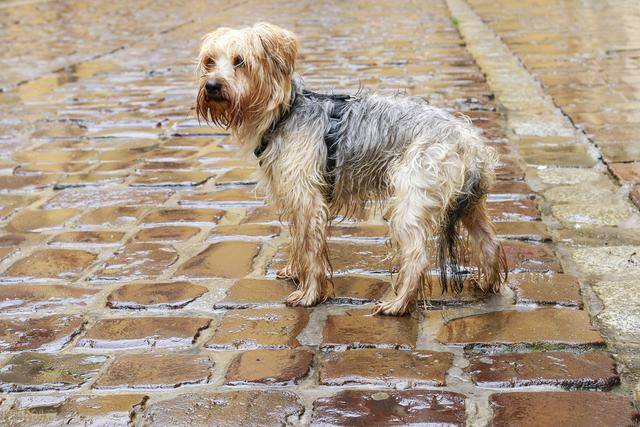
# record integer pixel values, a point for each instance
(424, 185)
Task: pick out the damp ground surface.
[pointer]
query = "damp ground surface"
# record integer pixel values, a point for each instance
(137, 260)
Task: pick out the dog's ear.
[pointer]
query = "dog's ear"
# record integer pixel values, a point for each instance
(280, 46)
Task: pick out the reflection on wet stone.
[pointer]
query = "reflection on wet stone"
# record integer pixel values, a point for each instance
(385, 367)
(47, 334)
(357, 328)
(155, 371)
(150, 332)
(234, 408)
(273, 367)
(170, 295)
(390, 408)
(36, 372)
(578, 408)
(548, 325)
(259, 328)
(51, 264)
(592, 370)
(79, 410)
(138, 261)
(231, 259)
(42, 298)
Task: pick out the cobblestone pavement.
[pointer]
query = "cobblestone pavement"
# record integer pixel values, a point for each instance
(587, 55)
(137, 275)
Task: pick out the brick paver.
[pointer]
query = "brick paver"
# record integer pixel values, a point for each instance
(137, 261)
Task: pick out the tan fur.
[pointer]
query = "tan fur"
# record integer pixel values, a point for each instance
(255, 67)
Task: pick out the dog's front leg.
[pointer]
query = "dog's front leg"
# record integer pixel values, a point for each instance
(308, 222)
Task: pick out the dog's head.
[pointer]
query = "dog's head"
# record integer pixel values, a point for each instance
(244, 73)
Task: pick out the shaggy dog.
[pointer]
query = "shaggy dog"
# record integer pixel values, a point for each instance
(326, 155)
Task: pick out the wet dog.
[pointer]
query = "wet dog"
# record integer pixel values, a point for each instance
(326, 155)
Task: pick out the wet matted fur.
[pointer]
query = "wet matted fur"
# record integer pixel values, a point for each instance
(323, 155)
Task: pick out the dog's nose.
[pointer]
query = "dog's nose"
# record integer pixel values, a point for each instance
(213, 88)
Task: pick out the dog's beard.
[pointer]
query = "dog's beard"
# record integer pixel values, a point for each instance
(224, 112)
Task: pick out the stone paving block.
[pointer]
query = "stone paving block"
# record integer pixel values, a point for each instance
(237, 176)
(24, 298)
(618, 260)
(530, 257)
(621, 313)
(581, 193)
(592, 214)
(376, 407)
(255, 292)
(235, 408)
(27, 182)
(592, 370)
(138, 261)
(46, 334)
(360, 231)
(579, 408)
(89, 179)
(39, 220)
(52, 156)
(269, 328)
(155, 371)
(247, 293)
(137, 332)
(240, 197)
(37, 372)
(598, 236)
(357, 328)
(244, 232)
(533, 231)
(568, 176)
(170, 179)
(387, 367)
(111, 216)
(96, 198)
(514, 210)
(574, 155)
(165, 295)
(358, 289)
(434, 297)
(347, 258)
(510, 190)
(89, 238)
(178, 216)
(166, 234)
(51, 264)
(79, 410)
(547, 325)
(271, 367)
(229, 259)
(546, 289)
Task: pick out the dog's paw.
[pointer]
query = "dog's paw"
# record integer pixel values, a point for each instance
(391, 308)
(286, 273)
(303, 299)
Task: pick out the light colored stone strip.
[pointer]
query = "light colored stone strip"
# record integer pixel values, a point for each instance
(578, 199)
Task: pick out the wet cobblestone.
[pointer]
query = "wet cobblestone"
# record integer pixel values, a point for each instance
(137, 261)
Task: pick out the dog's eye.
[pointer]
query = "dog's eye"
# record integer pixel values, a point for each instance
(209, 63)
(238, 62)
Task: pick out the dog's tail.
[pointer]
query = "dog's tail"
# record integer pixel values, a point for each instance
(450, 250)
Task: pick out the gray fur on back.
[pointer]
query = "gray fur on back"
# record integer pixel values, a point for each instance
(373, 134)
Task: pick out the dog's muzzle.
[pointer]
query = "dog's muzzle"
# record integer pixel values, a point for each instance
(213, 90)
